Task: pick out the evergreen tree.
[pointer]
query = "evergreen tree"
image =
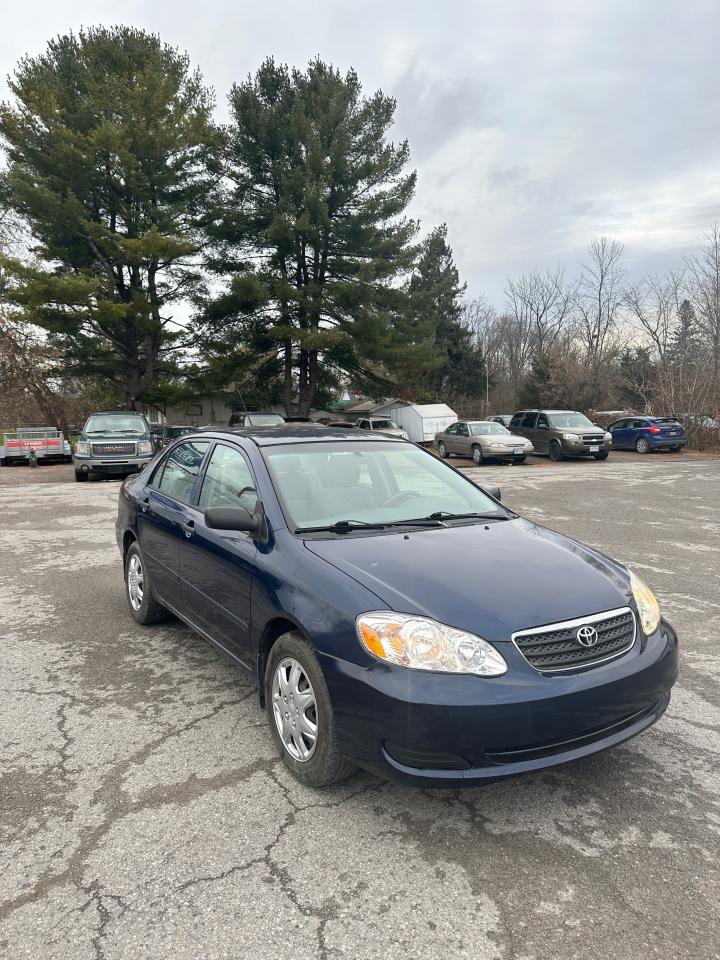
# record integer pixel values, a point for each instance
(311, 233)
(454, 366)
(111, 149)
(685, 341)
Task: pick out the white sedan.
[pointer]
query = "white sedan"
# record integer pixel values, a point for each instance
(482, 440)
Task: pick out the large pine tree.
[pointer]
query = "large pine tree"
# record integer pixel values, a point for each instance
(111, 152)
(312, 235)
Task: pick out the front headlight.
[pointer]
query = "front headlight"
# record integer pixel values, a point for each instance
(83, 447)
(144, 446)
(571, 436)
(608, 436)
(424, 644)
(648, 607)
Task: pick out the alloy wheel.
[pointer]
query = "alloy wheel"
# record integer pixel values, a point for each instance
(295, 709)
(135, 582)
(441, 450)
(477, 454)
(642, 446)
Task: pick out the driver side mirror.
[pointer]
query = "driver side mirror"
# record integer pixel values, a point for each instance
(493, 492)
(231, 518)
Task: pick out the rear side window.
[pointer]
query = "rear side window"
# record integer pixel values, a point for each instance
(542, 421)
(177, 472)
(528, 421)
(228, 481)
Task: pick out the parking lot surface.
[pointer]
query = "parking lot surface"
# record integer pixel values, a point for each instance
(144, 814)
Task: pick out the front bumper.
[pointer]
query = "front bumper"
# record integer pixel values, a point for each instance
(577, 448)
(508, 453)
(446, 730)
(107, 466)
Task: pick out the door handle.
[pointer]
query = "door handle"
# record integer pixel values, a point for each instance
(189, 527)
(144, 503)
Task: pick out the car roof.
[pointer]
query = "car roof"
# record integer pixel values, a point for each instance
(299, 433)
(116, 413)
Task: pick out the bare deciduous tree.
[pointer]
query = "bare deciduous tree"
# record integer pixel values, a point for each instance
(600, 297)
(543, 302)
(654, 304)
(704, 284)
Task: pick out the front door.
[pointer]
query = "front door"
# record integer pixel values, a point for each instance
(217, 566)
(620, 434)
(163, 511)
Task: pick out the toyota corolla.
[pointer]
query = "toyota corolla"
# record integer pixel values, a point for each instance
(395, 615)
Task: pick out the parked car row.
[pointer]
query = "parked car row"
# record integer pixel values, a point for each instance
(557, 433)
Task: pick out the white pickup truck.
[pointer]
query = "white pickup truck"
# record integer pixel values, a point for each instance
(45, 443)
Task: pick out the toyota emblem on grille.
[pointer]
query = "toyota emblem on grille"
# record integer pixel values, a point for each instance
(586, 636)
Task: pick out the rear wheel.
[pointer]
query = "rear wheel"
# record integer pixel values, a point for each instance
(300, 714)
(477, 454)
(674, 449)
(442, 450)
(603, 455)
(80, 476)
(641, 445)
(555, 451)
(138, 589)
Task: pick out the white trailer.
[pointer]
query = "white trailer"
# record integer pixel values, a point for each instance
(44, 443)
(421, 421)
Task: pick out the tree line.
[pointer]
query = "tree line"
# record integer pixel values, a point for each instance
(165, 253)
(148, 253)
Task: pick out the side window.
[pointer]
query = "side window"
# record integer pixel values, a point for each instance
(542, 422)
(516, 420)
(639, 423)
(463, 430)
(453, 429)
(618, 425)
(364, 424)
(177, 473)
(228, 481)
(528, 421)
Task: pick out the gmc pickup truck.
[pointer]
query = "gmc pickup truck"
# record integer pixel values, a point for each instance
(115, 443)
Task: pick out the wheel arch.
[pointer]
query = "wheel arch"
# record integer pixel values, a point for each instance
(272, 631)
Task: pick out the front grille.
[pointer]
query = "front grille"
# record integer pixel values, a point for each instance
(113, 449)
(556, 646)
(593, 439)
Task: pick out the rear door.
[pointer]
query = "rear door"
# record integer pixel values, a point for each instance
(163, 514)
(217, 566)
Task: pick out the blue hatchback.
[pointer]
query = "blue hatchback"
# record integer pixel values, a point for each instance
(648, 433)
(394, 614)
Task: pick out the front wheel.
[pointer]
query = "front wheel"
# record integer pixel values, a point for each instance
(138, 589)
(442, 450)
(555, 451)
(519, 459)
(603, 455)
(80, 476)
(477, 454)
(642, 446)
(300, 714)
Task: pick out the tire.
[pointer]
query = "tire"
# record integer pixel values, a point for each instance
(477, 454)
(674, 449)
(519, 460)
(601, 456)
(555, 451)
(143, 605)
(80, 477)
(442, 450)
(324, 764)
(642, 446)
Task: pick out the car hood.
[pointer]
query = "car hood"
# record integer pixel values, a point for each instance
(491, 579)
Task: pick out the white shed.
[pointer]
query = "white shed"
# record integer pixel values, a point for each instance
(421, 420)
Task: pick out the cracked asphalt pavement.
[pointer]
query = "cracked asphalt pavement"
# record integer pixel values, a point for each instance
(144, 813)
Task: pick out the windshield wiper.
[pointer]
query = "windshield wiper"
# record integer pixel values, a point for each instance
(447, 515)
(343, 526)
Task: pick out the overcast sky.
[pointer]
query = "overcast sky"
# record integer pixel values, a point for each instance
(534, 126)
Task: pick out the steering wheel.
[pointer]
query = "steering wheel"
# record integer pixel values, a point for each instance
(239, 493)
(401, 497)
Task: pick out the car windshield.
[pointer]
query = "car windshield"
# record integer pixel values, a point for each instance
(321, 484)
(265, 420)
(570, 420)
(384, 425)
(132, 423)
(484, 429)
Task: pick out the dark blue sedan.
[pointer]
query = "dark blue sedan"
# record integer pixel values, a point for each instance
(394, 614)
(647, 433)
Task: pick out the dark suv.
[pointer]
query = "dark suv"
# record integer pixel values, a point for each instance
(562, 433)
(115, 443)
